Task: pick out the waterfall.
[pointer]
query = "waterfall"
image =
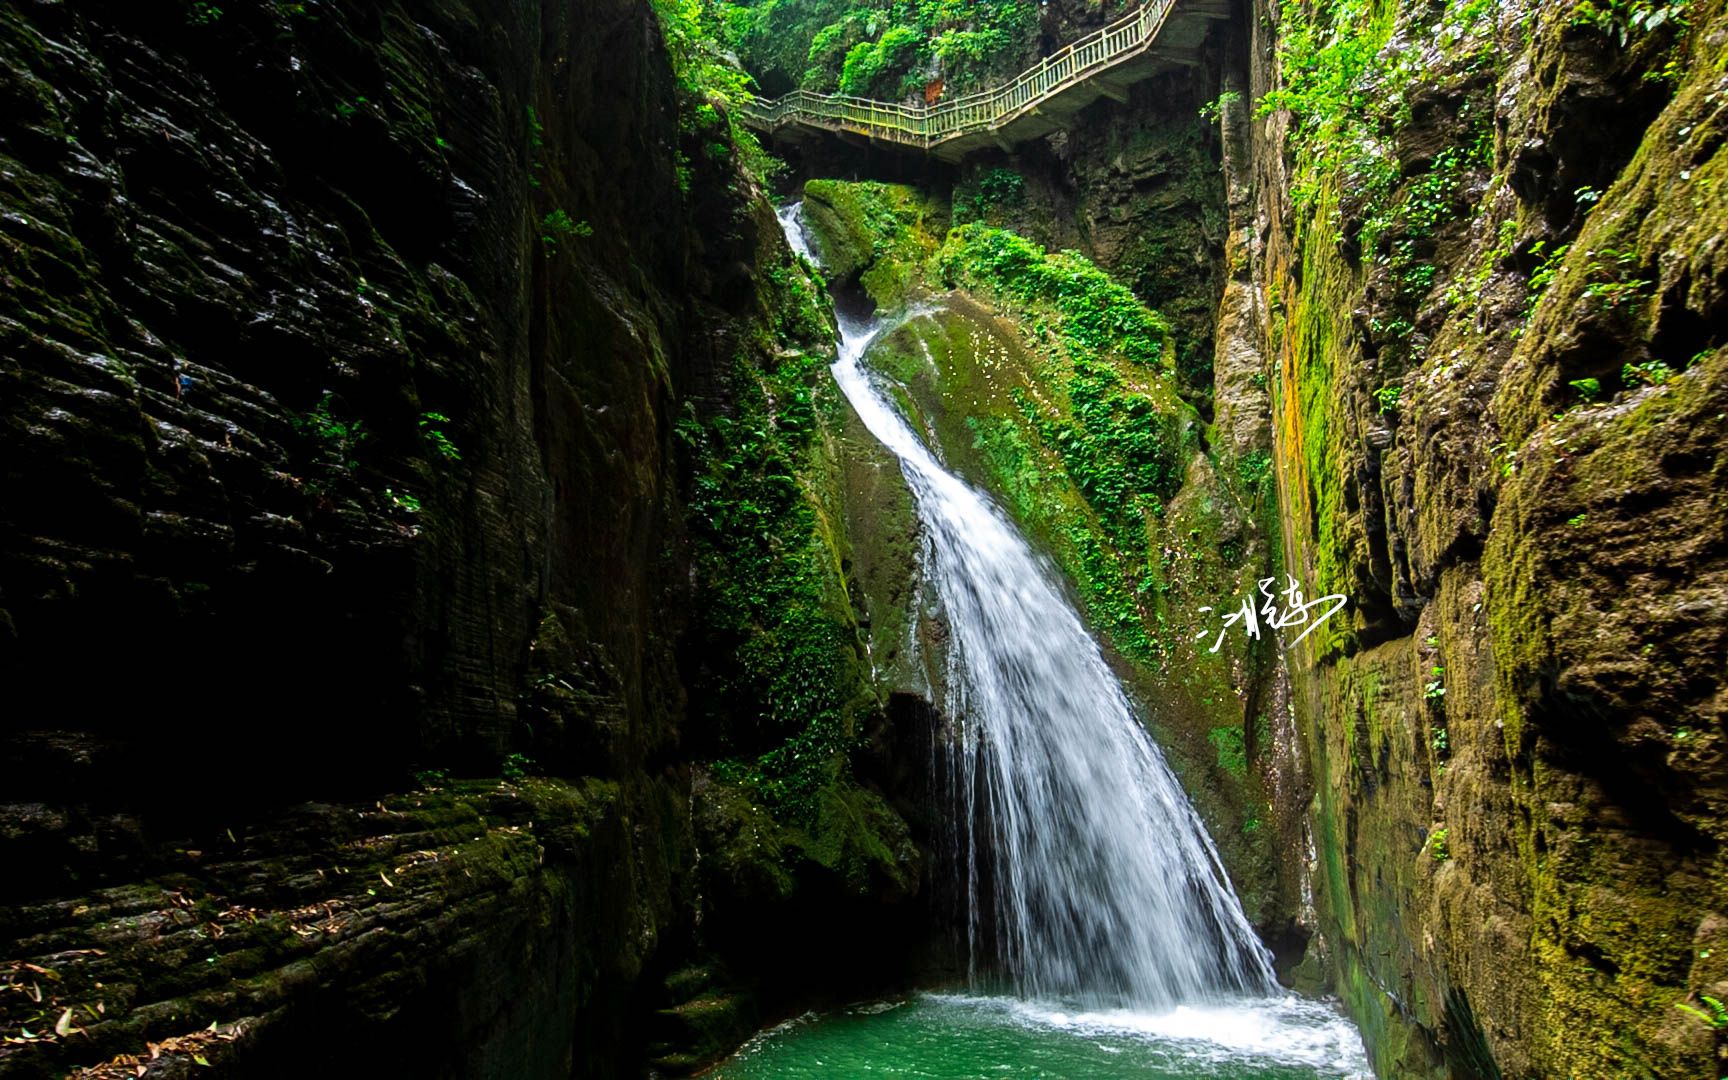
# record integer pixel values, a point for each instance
(1104, 889)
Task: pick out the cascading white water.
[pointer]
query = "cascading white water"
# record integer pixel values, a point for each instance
(1106, 889)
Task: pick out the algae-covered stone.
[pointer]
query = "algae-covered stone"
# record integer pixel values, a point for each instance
(877, 235)
(1498, 423)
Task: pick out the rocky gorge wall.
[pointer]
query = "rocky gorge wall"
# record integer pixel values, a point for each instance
(1482, 262)
(365, 372)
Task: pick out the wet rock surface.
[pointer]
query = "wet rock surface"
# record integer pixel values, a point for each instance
(341, 352)
(1497, 427)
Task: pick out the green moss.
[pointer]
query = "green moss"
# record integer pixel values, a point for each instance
(780, 684)
(1232, 750)
(878, 234)
(782, 688)
(989, 196)
(1094, 312)
(858, 837)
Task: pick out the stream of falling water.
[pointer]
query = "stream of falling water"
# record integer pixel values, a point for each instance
(1107, 903)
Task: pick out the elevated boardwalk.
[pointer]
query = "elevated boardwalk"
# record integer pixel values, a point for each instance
(1159, 35)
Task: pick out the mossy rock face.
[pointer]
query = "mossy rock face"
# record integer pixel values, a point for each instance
(872, 234)
(881, 558)
(365, 390)
(1499, 428)
(484, 925)
(801, 586)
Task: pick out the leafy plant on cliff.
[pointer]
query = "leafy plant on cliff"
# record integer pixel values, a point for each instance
(1614, 283)
(1213, 111)
(1437, 847)
(994, 190)
(559, 226)
(711, 86)
(1717, 1016)
(431, 429)
(1622, 19)
(1545, 273)
(1648, 373)
(340, 438)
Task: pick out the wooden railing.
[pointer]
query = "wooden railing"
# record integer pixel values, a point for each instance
(927, 126)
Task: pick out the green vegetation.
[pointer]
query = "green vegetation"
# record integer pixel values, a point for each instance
(1232, 750)
(1255, 471)
(1330, 58)
(432, 431)
(347, 110)
(1213, 111)
(559, 226)
(711, 87)
(202, 13)
(1647, 373)
(339, 439)
(780, 681)
(1717, 1016)
(1613, 281)
(880, 234)
(986, 196)
(1623, 19)
(1437, 845)
(1095, 312)
(879, 48)
(876, 68)
(536, 143)
(1120, 444)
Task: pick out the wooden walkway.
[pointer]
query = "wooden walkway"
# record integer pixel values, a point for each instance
(1161, 33)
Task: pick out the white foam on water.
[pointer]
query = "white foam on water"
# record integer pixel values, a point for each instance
(1282, 1030)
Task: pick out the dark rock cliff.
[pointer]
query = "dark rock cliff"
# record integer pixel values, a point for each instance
(342, 348)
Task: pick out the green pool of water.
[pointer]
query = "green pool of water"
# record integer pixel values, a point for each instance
(952, 1037)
